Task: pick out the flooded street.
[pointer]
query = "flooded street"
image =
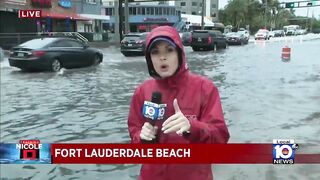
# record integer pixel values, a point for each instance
(263, 98)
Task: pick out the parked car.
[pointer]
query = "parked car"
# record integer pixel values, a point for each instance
(207, 40)
(279, 33)
(236, 38)
(186, 38)
(133, 44)
(301, 31)
(244, 32)
(262, 34)
(53, 53)
(291, 31)
(271, 34)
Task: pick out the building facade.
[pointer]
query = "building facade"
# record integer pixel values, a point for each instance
(56, 16)
(91, 9)
(144, 16)
(194, 7)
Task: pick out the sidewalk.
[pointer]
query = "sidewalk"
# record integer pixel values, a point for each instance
(111, 42)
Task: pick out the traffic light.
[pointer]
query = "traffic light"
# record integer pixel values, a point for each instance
(290, 5)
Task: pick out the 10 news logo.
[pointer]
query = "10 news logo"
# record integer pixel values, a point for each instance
(283, 151)
(154, 111)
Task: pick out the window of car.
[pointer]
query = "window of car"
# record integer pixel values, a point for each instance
(131, 38)
(200, 34)
(61, 43)
(66, 43)
(37, 43)
(143, 36)
(75, 44)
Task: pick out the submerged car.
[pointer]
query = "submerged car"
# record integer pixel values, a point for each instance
(262, 34)
(53, 53)
(236, 38)
(279, 33)
(207, 40)
(133, 44)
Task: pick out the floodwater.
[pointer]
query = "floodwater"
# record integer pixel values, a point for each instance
(263, 98)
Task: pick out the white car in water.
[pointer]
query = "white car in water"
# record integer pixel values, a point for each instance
(262, 34)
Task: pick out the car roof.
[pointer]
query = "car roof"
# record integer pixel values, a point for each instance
(42, 42)
(200, 31)
(136, 34)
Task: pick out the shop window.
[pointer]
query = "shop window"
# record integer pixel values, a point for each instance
(134, 10)
(41, 3)
(138, 11)
(173, 11)
(109, 11)
(88, 28)
(165, 12)
(91, 1)
(148, 10)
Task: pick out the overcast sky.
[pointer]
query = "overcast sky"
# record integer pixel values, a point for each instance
(298, 11)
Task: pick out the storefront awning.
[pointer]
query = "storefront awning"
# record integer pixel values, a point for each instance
(63, 16)
(95, 17)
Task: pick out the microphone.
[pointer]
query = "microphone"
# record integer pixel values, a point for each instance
(154, 110)
(156, 98)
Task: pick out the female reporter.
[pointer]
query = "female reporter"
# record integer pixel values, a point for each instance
(193, 114)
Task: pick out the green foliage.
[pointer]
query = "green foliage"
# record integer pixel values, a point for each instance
(240, 13)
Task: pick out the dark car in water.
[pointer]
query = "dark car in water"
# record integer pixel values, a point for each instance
(279, 33)
(133, 44)
(207, 40)
(236, 38)
(53, 53)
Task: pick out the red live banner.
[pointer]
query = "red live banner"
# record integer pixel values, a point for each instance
(169, 153)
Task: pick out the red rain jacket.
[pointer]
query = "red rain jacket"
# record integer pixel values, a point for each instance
(199, 101)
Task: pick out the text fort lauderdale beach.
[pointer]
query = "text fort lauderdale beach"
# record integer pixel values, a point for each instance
(123, 153)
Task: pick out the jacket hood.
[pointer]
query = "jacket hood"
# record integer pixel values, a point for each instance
(171, 33)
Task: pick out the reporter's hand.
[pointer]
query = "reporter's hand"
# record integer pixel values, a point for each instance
(176, 123)
(148, 132)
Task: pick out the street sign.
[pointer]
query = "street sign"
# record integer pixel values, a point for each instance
(290, 5)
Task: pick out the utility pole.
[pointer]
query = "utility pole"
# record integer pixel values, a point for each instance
(307, 18)
(265, 15)
(126, 17)
(116, 21)
(202, 16)
(120, 19)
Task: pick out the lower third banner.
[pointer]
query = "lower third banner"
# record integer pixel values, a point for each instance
(178, 153)
(280, 152)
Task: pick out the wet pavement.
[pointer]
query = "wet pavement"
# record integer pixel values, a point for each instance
(263, 98)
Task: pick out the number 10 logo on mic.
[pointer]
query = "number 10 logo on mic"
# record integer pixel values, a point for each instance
(153, 111)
